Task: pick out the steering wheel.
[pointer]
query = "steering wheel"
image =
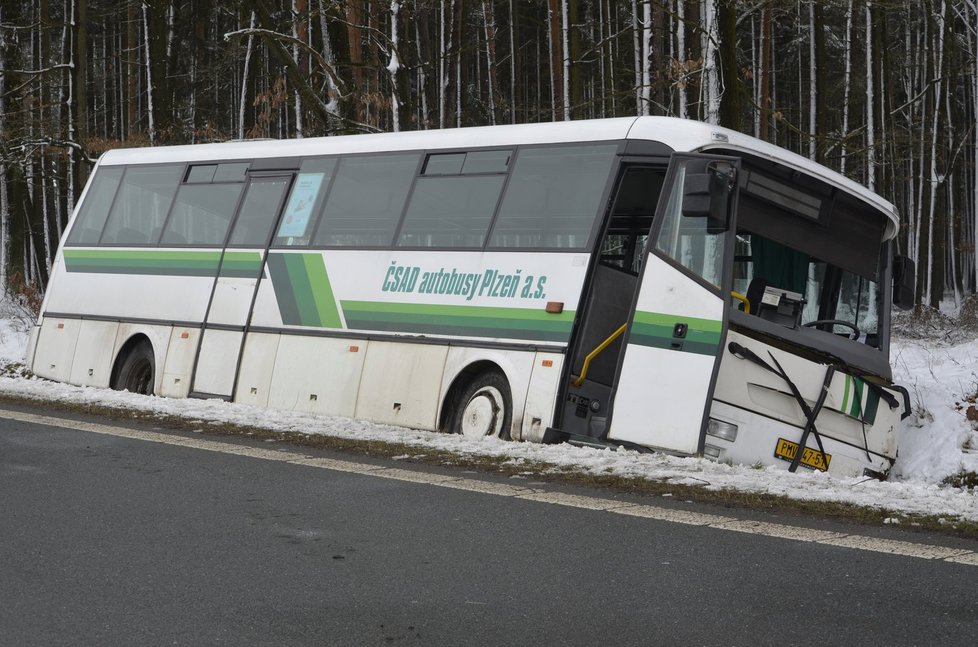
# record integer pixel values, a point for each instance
(835, 322)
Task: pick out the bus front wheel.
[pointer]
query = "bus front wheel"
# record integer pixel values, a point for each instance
(484, 407)
(135, 374)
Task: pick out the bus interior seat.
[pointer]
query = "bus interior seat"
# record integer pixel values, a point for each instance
(755, 292)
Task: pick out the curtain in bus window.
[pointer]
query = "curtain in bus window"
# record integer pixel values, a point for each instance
(554, 196)
(780, 266)
(142, 204)
(95, 209)
(366, 200)
(201, 214)
(451, 211)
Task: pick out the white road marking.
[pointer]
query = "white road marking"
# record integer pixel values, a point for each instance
(780, 531)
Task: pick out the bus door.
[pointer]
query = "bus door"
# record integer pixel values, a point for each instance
(236, 285)
(596, 348)
(676, 328)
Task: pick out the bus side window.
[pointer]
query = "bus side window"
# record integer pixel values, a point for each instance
(201, 214)
(95, 209)
(305, 202)
(142, 204)
(366, 200)
(553, 197)
(451, 211)
(631, 218)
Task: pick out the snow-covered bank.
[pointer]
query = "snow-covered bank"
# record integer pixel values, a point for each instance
(936, 442)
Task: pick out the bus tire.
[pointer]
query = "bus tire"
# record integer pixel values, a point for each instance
(137, 372)
(483, 408)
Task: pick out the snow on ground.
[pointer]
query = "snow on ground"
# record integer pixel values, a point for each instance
(936, 441)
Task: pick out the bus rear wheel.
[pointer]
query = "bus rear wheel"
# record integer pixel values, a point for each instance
(484, 408)
(136, 372)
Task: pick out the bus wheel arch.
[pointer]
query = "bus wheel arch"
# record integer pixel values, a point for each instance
(135, 366)
(479, 403)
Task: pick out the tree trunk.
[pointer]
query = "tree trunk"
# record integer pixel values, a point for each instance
(730, 113)
(556, 59)
(80, 92)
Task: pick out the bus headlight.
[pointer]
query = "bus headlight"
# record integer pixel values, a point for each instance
(722, 430)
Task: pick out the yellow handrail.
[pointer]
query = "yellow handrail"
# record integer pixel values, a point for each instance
(597, 351)
(741, 297)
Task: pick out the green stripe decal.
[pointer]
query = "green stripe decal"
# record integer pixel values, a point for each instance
(162, 263)
(303, 291)
(655, 330)
(857, 398)
(470, 321)
(855, 408)
(845, 394)
(245, 265)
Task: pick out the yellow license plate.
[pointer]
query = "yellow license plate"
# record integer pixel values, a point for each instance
(786, 450)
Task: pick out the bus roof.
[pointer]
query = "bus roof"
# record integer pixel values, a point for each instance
(678, 134)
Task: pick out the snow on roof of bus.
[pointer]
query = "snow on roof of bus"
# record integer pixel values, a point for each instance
(679, 134)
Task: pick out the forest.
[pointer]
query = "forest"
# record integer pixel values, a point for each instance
(883, 91)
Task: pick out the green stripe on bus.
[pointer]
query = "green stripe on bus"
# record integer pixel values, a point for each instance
(245, 265)
(303, 291)
(322, 291)
(872, 406)
(856, 408)
(655, 330)
(282, 286)
(473, 321)
(845, 394)
(160, 263)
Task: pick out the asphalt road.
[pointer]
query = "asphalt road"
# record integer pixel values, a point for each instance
(112, 540)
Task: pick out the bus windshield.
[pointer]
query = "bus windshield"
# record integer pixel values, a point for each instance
(829, 298)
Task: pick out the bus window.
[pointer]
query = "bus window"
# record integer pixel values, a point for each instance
(467, 163)
(444, 164)
(366, 200)
(142, 204)
(258, 212)
(451, 211)
(486, 162)
(95, 209)
(830, 293)
(231, 172)
(554, 197)
(631, 218)
(201, 214)
(689, 241)
(305, 202)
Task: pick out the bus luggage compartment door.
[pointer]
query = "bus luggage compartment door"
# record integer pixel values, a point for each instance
(677, 326)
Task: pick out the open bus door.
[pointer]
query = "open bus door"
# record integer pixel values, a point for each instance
(675, 333)
(642, 363)
(236, 286)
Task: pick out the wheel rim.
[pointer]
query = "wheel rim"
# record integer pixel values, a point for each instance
(483, 414)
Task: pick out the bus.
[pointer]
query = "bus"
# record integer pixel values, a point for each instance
(652, 283)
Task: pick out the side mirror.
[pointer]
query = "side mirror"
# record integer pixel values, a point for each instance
(707, 189)
(904, 282)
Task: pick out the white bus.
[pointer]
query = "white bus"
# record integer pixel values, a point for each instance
(648, 282)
